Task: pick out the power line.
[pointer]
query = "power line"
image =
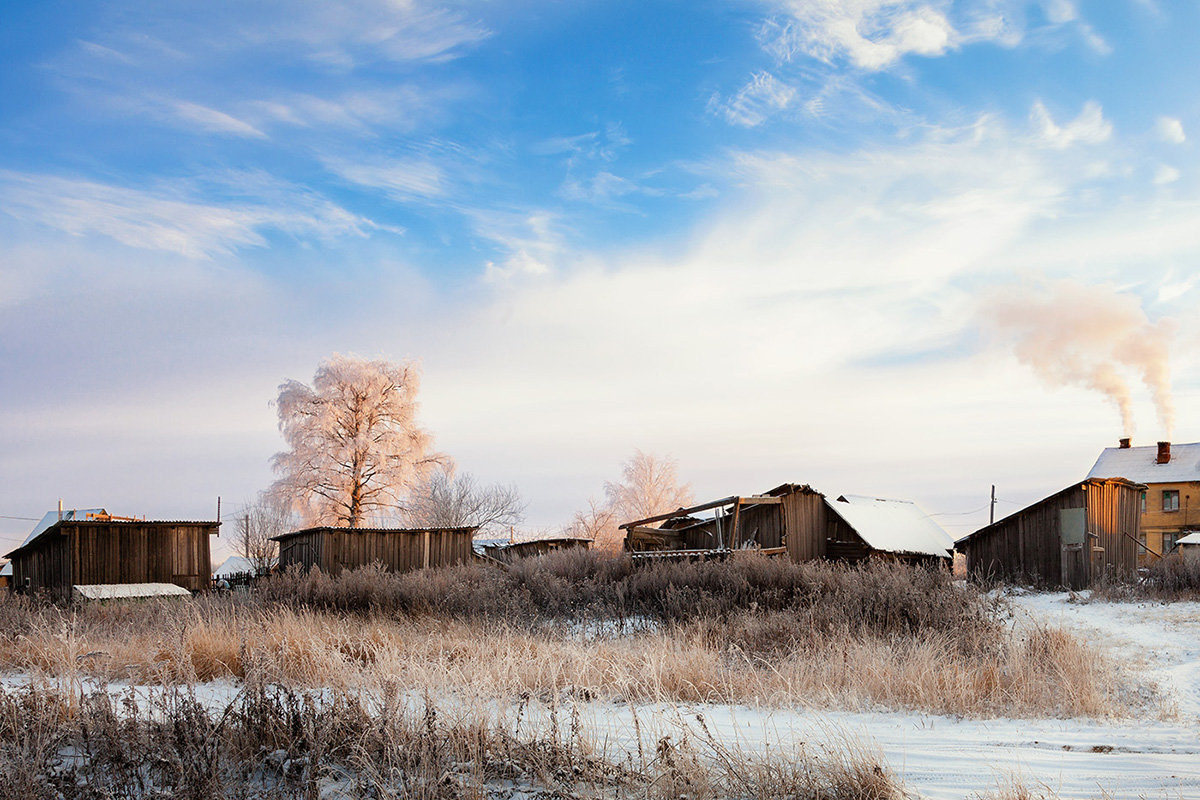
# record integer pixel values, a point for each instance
(27, 519)
(956, 513)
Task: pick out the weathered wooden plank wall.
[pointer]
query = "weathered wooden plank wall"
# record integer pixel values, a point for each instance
(109, 551)
(1027, 546)
(336, 549)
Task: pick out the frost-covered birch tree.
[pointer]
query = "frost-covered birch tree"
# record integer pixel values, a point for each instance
(355, 447)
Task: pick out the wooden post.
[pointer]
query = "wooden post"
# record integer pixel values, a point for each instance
(735, 536)
(426, 537)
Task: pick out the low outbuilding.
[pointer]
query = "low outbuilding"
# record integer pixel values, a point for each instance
(334, 549)
(510, 549)
(1069, 539)
(1189, 547)
(797, 521)
(92, 547)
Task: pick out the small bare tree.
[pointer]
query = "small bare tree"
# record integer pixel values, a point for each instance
(649, 485)
(257, 521)
(355, 445)
(448, 501)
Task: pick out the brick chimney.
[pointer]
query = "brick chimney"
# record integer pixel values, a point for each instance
(1125, 443)
(1164, 453)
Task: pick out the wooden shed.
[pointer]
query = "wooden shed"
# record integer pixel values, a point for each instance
(333, 549)
(1069, 539)
(796, 520)
(93, 547)
(510, 550)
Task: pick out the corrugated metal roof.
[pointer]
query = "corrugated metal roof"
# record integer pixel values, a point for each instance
(1138, 464)
(52, 518)
(81, 515)
(893, 526)
(129, 591)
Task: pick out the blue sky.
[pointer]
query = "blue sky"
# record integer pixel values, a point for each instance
(760, 236)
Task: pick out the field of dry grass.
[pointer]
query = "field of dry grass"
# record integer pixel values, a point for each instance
(278, 743)
(755, 632)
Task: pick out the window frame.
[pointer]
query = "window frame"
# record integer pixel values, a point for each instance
(1170, 500)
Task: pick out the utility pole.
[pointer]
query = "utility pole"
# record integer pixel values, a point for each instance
(992, 508)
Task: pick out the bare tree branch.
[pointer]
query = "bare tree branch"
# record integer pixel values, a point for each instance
(450, 501)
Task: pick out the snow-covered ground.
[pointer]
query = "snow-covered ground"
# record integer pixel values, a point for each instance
(940, 757)
(945, 757)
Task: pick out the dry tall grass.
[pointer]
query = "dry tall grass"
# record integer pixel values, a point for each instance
(278, 743)
(1169, 579)
(754, 633)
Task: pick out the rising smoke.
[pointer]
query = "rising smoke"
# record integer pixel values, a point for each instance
(1072, 334)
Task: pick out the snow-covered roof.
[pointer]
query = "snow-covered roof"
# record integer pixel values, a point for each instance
(1138, 464)
(129, 591)
(6, 570)
(52, 518)
(893, 526)
(234, 565)
(1190, 539)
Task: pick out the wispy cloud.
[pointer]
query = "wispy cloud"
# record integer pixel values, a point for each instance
(870, 34)
(533, 243)
(763, 96)
(401, 179)
(216, 121)
(173, 218)
(1089, 127)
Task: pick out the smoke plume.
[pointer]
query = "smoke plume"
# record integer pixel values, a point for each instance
(1071, 334)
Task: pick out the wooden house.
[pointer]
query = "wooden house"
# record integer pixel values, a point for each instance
(1068, 539)
(506, 550)
(795, 520)
(91, 547)
(333, 549)
(1171, 475)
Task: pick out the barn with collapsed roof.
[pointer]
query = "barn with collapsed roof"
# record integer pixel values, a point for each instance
(793, 520)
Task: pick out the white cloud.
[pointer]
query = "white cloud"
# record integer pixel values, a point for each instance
(1060, 11)
(402, 178)
(174, 218)
(1090, 127)
(533, 242)
(1170, 129)
(871, 34)
(761, 97)
(1165, 174)
(216, 121)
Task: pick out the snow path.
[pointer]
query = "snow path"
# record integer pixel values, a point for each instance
(1160, 642)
